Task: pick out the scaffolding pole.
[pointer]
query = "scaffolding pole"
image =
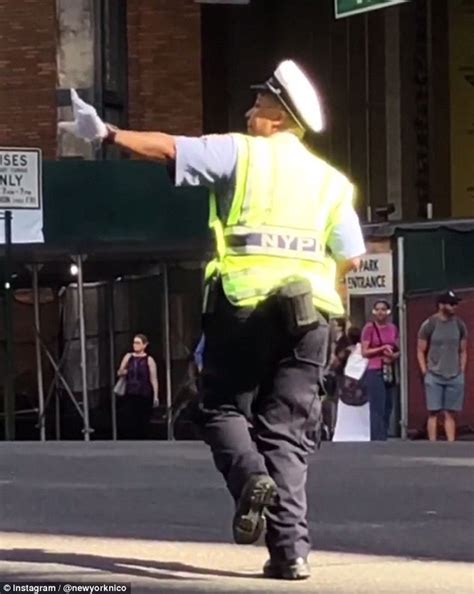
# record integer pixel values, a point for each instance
(83, 337)
(57, 413)
(166, 308)
(368, 164)
(402, 321)
(59, 379)
(111, 321)
(39, 364)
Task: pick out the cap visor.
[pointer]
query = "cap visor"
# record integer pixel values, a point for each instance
(259, 87)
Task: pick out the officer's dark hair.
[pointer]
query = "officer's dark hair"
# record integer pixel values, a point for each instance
(293, 123)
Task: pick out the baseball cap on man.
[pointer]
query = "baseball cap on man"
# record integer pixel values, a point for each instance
(449, 298)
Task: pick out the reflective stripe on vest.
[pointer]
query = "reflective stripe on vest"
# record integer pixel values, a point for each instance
(274, 241)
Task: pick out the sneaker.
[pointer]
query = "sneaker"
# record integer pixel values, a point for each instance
(259, 492)
(297, 569)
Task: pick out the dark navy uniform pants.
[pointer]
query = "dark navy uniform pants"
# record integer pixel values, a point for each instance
(261, 410)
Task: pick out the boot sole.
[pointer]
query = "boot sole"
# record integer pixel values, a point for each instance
(288, 574)
(248, 527)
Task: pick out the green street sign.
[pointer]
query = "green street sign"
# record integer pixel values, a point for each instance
(346, 8)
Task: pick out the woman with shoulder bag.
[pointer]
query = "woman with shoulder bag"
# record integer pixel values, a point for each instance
(139, 388)
(380, 344)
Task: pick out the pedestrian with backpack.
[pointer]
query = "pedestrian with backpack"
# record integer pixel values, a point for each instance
(442, 357)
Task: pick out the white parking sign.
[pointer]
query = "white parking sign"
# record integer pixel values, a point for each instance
(373, 276)
(20, 179)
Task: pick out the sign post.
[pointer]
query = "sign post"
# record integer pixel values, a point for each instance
(345, 8)
(20, 191)
(9, 375)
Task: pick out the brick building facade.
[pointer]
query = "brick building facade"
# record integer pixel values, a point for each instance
(46, 45)
(28, 74)
(164, 66)
(184, 66)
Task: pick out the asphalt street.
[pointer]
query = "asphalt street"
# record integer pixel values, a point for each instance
(394, 517)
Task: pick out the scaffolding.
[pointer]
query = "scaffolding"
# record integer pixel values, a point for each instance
(104, 230)
(81, 404)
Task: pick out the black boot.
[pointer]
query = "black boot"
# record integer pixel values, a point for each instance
(296, 569)
(259, 492)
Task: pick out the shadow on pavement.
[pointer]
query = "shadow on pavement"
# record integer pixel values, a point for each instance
(115, 565)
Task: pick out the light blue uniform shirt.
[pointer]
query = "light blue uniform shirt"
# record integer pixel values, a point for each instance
(211, 161)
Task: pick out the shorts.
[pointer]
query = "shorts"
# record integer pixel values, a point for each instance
(444, 394)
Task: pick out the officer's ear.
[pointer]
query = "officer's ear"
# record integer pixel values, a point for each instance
(278, 123)
(280, 117)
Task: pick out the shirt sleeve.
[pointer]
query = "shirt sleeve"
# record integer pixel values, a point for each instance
(345, 239)
(463, 329)
(208, 161)
(424, 331)
(367, 332)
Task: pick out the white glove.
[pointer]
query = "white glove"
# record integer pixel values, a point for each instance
(87, 124)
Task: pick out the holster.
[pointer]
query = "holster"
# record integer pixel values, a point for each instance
(211, 292)
(295, 301)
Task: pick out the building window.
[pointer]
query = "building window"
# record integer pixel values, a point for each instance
(111, 60)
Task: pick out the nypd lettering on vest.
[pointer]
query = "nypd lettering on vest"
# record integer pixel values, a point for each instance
(287, 242)
(273, 242)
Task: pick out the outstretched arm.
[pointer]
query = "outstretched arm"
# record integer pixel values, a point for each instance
(208, 161)
(151, 145)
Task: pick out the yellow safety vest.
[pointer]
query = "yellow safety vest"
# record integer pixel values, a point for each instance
(286, 200)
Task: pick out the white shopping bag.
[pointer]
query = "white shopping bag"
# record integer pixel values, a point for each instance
(356, 364)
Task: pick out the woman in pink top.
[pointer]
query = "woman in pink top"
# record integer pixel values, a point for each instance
(380, 345)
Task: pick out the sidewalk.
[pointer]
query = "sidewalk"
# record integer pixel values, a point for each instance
(192, 568)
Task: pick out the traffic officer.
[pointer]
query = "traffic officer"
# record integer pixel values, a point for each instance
(282, 217)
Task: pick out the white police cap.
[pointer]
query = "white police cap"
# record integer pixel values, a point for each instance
(296, 93)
